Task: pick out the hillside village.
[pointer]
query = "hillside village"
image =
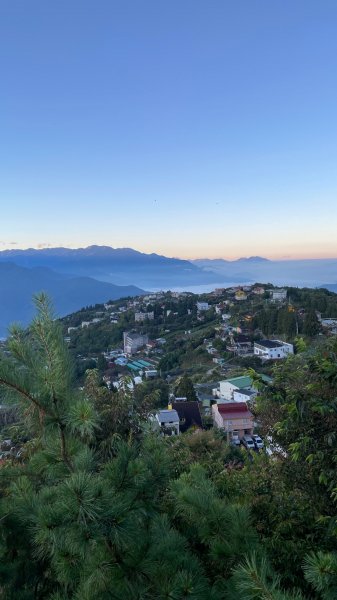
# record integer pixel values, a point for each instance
(168, 300)
(155, 342)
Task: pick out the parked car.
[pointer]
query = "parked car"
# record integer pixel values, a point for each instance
(247, 441)
(235, 439)
(258, 441)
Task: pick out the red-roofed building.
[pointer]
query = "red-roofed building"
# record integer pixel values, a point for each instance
(233, 417)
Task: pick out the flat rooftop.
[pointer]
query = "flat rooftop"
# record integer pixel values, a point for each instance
(269, 344)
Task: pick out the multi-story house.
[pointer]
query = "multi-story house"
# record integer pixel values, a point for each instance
(134, 341)
(272, 349)
(233, 417)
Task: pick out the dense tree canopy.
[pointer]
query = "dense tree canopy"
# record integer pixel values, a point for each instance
(96, 507)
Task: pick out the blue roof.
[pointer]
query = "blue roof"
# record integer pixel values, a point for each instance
(121, 361)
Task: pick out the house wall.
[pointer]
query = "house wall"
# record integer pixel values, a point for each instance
(279, 295)
(173, 426)
(242, 426)
(132, 344)
(239, 397)
(140, 316)
(227, 389)
(273, 353)
(202, 305)
(217, 419)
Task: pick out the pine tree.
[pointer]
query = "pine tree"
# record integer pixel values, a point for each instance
(254, 579)
(311, 325)
(72, 526)
(185, 389)
(93, 509)
(321, 571)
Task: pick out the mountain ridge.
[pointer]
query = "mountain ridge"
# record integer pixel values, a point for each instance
(18, 285)
(121, 266)
(126, 266)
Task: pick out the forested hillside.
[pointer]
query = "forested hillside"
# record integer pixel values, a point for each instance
(95, 506)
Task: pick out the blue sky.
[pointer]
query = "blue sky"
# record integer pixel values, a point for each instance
(189, 128)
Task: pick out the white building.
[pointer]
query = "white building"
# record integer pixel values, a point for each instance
(169, 421)
(329, 323)
(134, 341)
(244, 395)
(108, 306)
(272, 349)
(142, 316)
(71, 329)
(226, 316)
(278, 295)
(236, 384)
(201, 306)
(149, 373)
(258, 290)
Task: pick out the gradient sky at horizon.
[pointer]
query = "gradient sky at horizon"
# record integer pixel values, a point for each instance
(185, 127)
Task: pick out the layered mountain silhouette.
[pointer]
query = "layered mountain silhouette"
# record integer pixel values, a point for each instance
(121, 266)
(302, 273)
(18, 285)
(78, 277)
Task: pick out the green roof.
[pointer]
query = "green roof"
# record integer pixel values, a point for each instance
(244, 381)
(240, 382)
(130, 366)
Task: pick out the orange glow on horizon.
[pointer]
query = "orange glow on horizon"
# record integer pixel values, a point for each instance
(183, 255)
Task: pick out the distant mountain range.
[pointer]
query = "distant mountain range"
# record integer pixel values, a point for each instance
(78, 277)
(121, 266)
(302, 273)
(18, 284)
(203, 262)
(332, 287)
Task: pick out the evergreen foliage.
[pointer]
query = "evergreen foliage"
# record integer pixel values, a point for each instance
(95, 508)
(185, 389)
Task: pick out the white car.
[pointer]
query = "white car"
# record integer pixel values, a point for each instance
(247, 441)
(258, 441)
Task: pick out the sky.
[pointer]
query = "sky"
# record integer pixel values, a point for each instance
(190, 128)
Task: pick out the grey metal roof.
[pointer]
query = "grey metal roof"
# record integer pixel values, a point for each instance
(269, 344)
(245, 392)
(168, 416)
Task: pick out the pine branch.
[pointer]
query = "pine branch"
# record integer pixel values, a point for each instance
(16, 388)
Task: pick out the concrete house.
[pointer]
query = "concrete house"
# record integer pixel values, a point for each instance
(143, 316)
(233, 417)
(244, 395)
(272, 349)
(134, 341)
(259, 291)
(278, 295)
(202, 306)
(234, 384)
(168, 421)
